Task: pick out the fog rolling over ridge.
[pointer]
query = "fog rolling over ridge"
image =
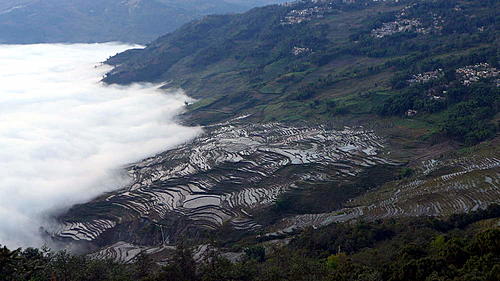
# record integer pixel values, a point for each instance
(64, 136)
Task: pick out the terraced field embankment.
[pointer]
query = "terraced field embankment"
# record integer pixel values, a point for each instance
(438, 187)
(219, 179)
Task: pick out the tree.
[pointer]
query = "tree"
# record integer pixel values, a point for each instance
(182, 267)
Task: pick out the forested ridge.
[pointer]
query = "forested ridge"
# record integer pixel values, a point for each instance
(462, 247)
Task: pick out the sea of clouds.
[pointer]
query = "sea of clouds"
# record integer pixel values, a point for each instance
(64, 136)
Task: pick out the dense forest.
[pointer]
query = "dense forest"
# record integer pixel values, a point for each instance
(463, 247)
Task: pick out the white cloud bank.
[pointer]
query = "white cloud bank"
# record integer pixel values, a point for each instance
(64, 135)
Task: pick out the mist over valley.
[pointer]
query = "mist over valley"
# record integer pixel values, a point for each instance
(65, 136)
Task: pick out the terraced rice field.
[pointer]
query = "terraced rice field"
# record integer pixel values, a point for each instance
(440, 188)
(215, 180)
(233, 169)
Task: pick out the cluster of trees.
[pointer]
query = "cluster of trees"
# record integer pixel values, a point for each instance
(457, 248)
(469, 110)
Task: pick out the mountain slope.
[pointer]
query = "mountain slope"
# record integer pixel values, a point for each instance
(322, 59)
(315, 112)
(139, 21)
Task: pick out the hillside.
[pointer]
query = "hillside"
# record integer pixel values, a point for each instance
(137, 21)
(329, 59)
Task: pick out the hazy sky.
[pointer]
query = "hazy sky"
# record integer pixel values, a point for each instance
(64, 135)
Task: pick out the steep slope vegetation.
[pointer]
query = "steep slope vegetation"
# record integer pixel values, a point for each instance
(328, 59)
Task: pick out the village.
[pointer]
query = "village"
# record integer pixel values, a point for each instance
(473, 73)
(401, 25)
(404, 24)
(321, 7)
(299, 50)
(426, 76)
(299, 16)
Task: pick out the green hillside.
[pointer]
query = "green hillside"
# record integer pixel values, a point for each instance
(330, 60)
